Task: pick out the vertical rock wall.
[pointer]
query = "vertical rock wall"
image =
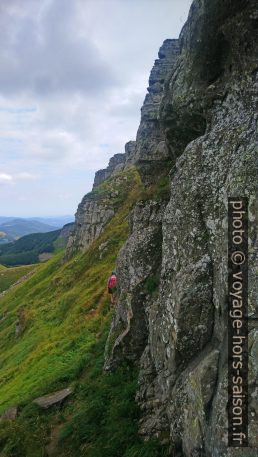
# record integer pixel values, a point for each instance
(152, 154)
(172, 310)
(197, 127)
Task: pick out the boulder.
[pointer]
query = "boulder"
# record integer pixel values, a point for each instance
(10, 414)
(52, 399)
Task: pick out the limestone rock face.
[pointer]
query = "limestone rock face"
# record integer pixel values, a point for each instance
(90, 219)
(171, 316)
(151, 151)
(138, 266)
(197, 127)
(116, 163)
(102, 175)
(98, 207)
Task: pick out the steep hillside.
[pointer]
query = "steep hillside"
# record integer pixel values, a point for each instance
(159, 214)
(53, 330)
(55, 304)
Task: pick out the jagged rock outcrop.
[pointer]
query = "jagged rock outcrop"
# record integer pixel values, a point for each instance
(98, 207)
(152, 154)
(102, 175)
(116, 163)
(92, 215)
(138, 264)
(198, 127)
(149, 153)
(202, 126)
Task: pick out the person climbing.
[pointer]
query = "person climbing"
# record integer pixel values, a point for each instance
(111, 285)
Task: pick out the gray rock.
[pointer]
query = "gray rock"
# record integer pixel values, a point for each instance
(90, 219)
(102, 175)
(198, 127)
(10, 414)
(137, 264)
(97, 208)
(198, 119)
(52, 399)
(151, 152)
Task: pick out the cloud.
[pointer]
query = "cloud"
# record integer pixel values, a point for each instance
(5, 178)
(73, 78)
(26, 175)
(46, 54)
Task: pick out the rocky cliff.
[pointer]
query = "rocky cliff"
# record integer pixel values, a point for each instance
(198, 128)
(149, 153)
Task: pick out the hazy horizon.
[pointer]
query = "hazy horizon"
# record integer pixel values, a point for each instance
(48, 216)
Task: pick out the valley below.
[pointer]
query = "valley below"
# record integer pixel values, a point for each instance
(146, 375)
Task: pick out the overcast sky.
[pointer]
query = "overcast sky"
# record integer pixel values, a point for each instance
(73, 76)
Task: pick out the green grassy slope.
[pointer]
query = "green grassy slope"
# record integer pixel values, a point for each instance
(9, 276)
(67, 313)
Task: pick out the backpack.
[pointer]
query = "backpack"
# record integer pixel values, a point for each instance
(112, 282)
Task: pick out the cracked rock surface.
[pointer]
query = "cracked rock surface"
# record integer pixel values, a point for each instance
(204, 127)
(198, 127)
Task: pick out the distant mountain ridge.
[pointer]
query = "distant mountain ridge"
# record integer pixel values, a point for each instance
(55, 221)
(16, 228)
(13, 228)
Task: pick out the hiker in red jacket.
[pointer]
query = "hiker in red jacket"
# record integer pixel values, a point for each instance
(111, 285)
